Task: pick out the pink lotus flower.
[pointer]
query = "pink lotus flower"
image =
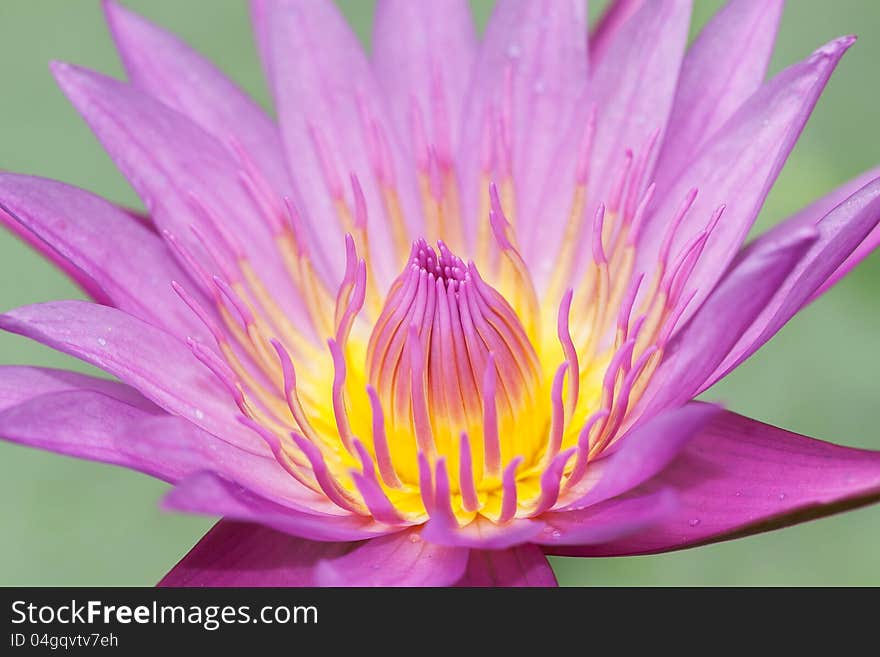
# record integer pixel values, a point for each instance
(450, 314)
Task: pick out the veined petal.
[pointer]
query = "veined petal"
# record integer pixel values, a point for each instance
(424, 52)
(528, 92)
(118, 254)
(19, 383)
(723, 67)
(244, 554)
(333, 124)
(482, 534)
(159, 365)
(607, 521)
(207, 493)
(520, 566)
(615, 16)
(100, 426)
(841, 231)
(402, 559)
(741, 477)
(170, 70)
(699, 347)
(737, 167)
(644, 452)
(183, 174)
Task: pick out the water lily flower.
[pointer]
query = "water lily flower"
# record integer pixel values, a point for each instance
(450, 313)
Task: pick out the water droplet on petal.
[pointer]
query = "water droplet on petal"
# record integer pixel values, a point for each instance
(693, 522)
(556, 533)
(513, 51)
(102, 342)
(781, 496)
(199, 414)
(415, 538)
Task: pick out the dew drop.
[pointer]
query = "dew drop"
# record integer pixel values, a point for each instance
(513, 51)
(738, 493)
(556, 533)
(199, 414)
(693, 522)
(781, 496)
(415, 538)
(102, 342)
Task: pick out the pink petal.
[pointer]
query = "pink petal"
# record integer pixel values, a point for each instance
(170, 161)
(841, 231)
(607, 521)
(697, 349)
(402, 559)
(159, 365)
(520, 566)
(723, 67)
(243, 554)
(167, 68)
(418, 48)
(642, 453)
(19, 383)
(531, 74)
(737, 167)
(740, 477)
(326, 94)
(207, 493)
(118, 254)
(615, 16)
(482, 534)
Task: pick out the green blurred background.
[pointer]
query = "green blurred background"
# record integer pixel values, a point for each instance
(68, 522)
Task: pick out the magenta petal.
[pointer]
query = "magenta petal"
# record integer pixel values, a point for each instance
(841, 231)
(696, 350)
(642, 453)
(615, 16)
(607, 521)
(520, 566)
(207, 493)
(722, 68)
(118, 254)
(19, 383)
(244, 554)
(741, 477)
(482, 534)
(166, 67)
(737, 167)
(156, 363)
(424, 52)
(402, 559)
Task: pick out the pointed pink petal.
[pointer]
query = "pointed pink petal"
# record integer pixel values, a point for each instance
(841, 231)
(641, 454)
(741, 477)
(159, 365)
(615, 16)
(520, 566)
(19, 383)
(697, 349)
(167, 68)
(607, 521)
(530, 77)
(737, 167)
(402, 559)
(207, 493)
(169, 160)
(126, 260)
(326, 94)
(418, 49)
(723, 67)
(243, 554)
